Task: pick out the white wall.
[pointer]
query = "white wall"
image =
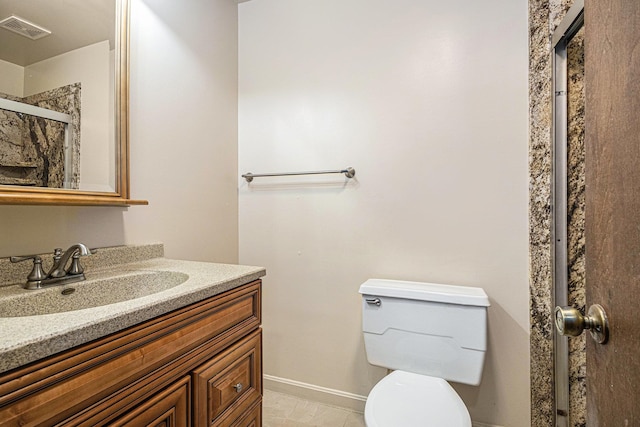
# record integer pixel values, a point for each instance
(427, 100)
(11, 79)
(184, 119)
(89, 66)
(183, 144)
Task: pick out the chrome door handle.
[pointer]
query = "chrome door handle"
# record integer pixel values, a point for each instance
(570, 322)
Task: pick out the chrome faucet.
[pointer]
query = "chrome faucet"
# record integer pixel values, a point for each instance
(59, 274)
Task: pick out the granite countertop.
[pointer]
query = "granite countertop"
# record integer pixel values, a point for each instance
(29, 338)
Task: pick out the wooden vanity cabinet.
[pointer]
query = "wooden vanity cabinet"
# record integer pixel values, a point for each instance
(197, 366)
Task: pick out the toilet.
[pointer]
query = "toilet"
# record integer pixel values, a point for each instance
(428, 334)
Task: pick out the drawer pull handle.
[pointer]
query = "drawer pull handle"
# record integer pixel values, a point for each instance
(238, 387)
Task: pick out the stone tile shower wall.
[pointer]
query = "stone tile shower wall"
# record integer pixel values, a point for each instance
(32, 148)
(12, 159)
(544, 16)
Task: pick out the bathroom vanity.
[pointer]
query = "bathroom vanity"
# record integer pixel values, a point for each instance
(187, 355)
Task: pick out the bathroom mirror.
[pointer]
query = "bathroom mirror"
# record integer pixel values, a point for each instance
(64, 98)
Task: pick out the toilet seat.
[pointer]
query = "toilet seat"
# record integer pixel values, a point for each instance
(413, 400)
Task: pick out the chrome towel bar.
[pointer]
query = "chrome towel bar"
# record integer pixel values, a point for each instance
(348, 172)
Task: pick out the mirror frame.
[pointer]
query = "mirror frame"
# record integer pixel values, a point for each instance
(14, 195)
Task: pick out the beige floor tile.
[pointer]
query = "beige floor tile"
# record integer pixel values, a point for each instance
(280, 422)
(305, 411)
(278, 405)
(327, 416)
(355, 419)
(282, 410)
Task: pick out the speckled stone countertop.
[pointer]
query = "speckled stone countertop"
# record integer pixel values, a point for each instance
(29, 338)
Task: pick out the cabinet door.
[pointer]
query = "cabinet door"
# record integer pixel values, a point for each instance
(169, 408)
(229, 385)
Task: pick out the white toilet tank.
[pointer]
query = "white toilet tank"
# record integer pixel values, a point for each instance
(426, 328)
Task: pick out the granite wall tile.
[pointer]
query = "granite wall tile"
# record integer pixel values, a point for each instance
(544, 16)
(32, 149)
(540, 267)
(50, 152)
(14, 169)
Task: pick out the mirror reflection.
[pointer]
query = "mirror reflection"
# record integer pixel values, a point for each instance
(57, 89)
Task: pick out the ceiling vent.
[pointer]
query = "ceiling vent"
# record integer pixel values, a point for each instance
(24, 28)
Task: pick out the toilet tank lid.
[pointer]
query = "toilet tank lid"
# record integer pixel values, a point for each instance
(434, 292)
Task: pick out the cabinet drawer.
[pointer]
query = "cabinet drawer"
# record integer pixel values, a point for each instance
(230, 384)
(169, 408)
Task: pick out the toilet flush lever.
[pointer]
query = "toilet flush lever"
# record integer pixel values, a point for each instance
(373, 301)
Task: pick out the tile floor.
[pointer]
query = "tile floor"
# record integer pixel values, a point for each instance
(283, 410)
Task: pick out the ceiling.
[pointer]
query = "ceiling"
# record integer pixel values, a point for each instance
(73, 23)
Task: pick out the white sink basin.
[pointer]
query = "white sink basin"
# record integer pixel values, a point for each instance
(93, 292)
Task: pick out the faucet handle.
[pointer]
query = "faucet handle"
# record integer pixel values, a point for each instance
(75, 267)
(15, 259)
(37, 273)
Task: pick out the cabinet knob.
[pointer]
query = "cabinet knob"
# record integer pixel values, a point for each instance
(238, 387)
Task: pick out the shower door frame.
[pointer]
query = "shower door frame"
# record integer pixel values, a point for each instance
(570, 25)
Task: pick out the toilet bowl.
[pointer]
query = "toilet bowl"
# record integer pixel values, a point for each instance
(429, 334)
(407, 399)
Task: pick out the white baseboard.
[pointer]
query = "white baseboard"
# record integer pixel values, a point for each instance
(328, 396)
